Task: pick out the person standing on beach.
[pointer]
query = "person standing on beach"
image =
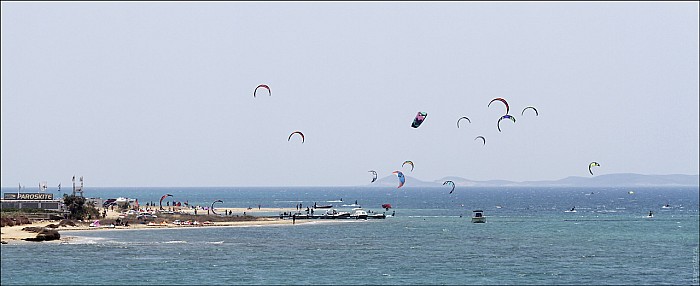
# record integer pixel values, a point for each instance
(294, 218)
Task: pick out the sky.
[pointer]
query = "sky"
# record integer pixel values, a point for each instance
(160, 94)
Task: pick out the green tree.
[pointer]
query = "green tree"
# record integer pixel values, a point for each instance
(77, 207)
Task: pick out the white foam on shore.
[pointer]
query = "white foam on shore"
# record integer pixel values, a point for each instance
(82, 240)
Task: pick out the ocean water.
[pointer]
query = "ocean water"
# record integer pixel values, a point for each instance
(528, 239)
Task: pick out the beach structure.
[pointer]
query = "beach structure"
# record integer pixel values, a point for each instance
(43, 201)
(78, 189)
(38, 200)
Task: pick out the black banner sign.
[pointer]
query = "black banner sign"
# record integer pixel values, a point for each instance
(28, 196)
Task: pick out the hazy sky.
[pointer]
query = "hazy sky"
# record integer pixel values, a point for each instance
(161, 94)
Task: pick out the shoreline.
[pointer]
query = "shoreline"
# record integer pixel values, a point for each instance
(15, 234)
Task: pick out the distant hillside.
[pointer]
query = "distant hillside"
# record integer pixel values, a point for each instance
(393, 181)
(609, 180)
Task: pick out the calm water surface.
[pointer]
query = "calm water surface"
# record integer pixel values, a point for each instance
(528, 239)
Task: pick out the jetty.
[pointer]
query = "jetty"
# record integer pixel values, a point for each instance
(356, 213)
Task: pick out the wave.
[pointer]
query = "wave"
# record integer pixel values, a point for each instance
(175, 241)
(82, 240)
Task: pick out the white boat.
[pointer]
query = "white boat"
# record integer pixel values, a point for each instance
(336, 213)
(478, 216)
(358, 213)
(353, 205)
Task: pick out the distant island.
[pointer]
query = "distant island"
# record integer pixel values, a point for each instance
(608, 180)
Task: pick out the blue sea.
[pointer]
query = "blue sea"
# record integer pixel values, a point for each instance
(528, 239)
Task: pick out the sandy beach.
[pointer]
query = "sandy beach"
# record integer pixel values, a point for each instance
(15, 234)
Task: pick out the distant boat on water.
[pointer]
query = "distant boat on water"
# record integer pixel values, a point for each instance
(478, 216)
(353, 205)
(322, 206)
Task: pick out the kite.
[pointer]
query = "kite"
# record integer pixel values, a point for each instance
(212, 205)
(375, 175)
(482, 138)
(419, 119)
(162, 198)
(402, 179)
(504, 117)
(296, 132)
(530, 107)
(463, 117)
(501, 100)
(263, 86)
(592, 164)
(386, 206)
(408, 162)
(451, 183)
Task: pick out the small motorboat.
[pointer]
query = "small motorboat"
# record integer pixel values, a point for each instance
(322, 206)
(478, 216)
(358, 213)
(572, 210)
(355, 205)
(336, 214)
